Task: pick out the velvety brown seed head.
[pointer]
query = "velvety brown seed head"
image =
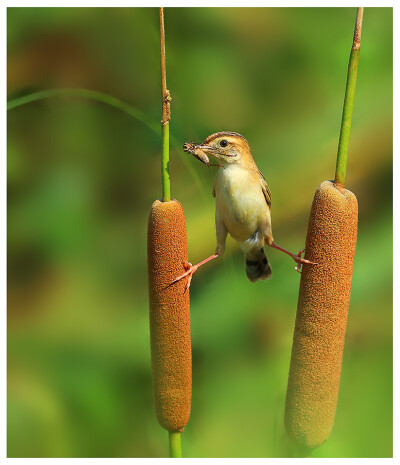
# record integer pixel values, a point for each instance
(171, 354)
(321, 320)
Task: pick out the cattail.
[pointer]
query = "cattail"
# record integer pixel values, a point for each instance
(324, 294)
(321, 316)
(171, 355)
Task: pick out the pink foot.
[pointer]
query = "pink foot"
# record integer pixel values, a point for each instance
(191, 269)
(300, 261)
(297, 258)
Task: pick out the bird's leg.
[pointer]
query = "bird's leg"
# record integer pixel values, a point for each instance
(297, 258)
(191, 270)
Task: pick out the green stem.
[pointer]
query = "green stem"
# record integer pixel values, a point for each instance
(175, 446)
(88, 94)
(117, 104)
(303, 452)
(165, 177)
(166, 116)
(343, 148)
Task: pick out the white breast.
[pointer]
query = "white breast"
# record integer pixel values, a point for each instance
(240, 201)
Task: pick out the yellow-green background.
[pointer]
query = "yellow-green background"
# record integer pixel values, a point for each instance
(82, 177)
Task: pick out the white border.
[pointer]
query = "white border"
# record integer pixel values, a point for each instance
(396, 222)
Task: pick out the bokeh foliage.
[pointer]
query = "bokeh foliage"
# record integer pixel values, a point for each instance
(81, 180)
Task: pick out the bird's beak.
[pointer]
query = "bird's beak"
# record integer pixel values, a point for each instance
(206, 148)
(212, 151)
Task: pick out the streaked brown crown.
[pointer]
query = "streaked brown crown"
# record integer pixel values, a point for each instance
(216, 135)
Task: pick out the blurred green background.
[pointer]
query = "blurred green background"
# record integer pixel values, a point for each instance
(82, 177)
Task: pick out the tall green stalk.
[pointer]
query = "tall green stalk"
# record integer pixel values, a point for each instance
(165, 177)
(175, 445)
(343, 148)
(166, 116)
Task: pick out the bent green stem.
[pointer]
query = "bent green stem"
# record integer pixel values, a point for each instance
(344, 138)
(115, 103)
(88, 94)
(175, 445)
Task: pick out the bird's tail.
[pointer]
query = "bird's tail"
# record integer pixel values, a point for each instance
(257, 266)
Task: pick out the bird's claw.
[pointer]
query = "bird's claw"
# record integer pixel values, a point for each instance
(190, 269)
(300, 261)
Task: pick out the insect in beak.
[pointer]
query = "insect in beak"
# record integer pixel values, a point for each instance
(198, 151)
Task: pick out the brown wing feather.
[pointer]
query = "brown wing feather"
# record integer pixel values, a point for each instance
(265, 189)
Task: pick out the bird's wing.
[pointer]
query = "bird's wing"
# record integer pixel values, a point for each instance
(265, 189)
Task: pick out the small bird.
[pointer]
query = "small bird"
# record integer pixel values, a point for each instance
(243, 204)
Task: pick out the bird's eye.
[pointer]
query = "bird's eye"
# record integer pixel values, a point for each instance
(223, 143)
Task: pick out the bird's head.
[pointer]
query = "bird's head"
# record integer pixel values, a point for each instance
(227, 148)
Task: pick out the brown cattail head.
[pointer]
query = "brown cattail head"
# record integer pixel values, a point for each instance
(322, 308)
(171, 354)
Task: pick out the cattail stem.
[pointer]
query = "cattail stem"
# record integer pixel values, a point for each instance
(324, 295)
(175, 445)
(166, 116)
(166, 181)
(303, 452)
(344, 138)
(171, 354)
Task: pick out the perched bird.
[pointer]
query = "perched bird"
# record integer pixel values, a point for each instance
(243, 204)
